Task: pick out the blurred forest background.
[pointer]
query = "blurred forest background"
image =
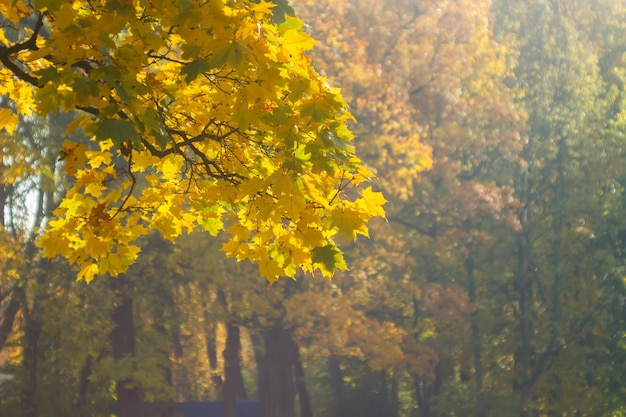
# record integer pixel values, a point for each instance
(495, 288)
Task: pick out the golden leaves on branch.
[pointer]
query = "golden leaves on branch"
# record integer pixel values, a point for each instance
(204, 116)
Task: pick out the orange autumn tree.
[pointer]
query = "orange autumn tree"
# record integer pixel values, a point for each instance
(426, 76)
(202, 114)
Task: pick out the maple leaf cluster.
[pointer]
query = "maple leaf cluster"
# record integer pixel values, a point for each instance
(201, 115)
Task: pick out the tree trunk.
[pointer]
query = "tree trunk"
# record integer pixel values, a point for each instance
(211, 348)
(423, 395)
(303, 393)
(30, 362)
(80, 403)
(524, 326)
(259, 358)
(476, 346)
(4, 195)
(180, 379)
(8, 317)
(336, 385)
(390, 390)
(233, 380)
(30, 350)
(275, 371)
(395, 399)
(122, 338)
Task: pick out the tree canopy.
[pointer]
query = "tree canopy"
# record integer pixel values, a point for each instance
(201, 114)
(496, 286)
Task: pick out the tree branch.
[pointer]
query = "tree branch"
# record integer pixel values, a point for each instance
(29, 44)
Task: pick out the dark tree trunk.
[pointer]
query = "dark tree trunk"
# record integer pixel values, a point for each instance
(394, 399)
(210, 339)
(336, 385)
(426, 390)
(30, 352)
(4, 195)
(166, 324)
(233, 381)
(179, 379)
(276, 379)
(390, 393)
(30, 362)
(211, 348)
(259, 358)
(122, 338)
(423, 395)
(31, 308)
(83, 384)
(476, 346)
(303, 393)
(524, 326)
(8, 316)
(423, 388)
(242, 393)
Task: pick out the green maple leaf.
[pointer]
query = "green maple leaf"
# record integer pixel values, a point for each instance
(281, 10)
(117, 130)
(329, 256)
(194, 68)
(51, 5)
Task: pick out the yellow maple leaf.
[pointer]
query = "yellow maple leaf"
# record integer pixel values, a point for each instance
(87, 272)
(372, 202)
(350, 223)
(262, 7)
(8, 120)
(74, 154)
(54, 243)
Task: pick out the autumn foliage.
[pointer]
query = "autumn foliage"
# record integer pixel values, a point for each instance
(203, 115)
(492, 284)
